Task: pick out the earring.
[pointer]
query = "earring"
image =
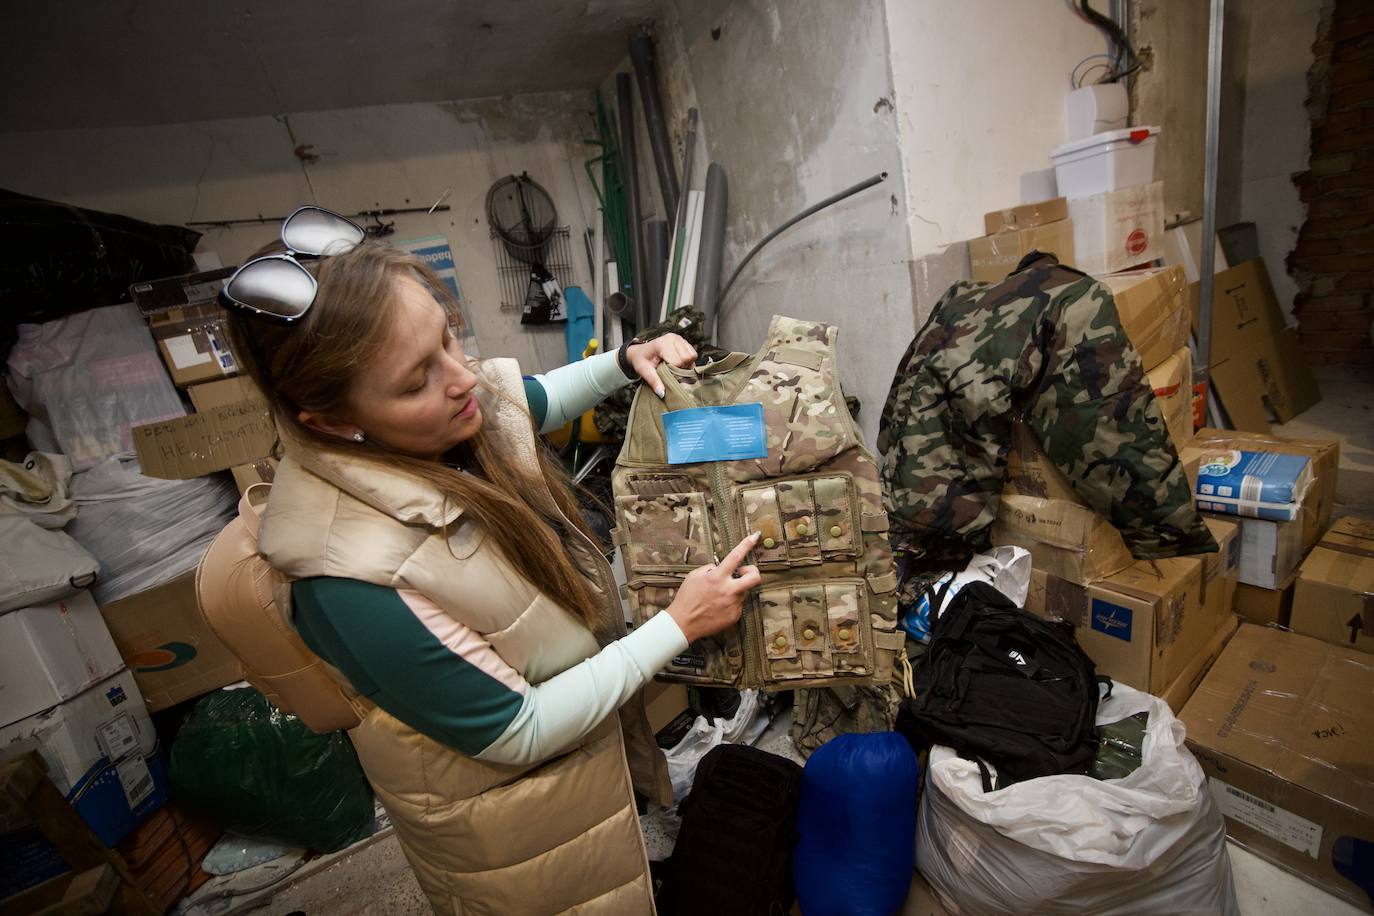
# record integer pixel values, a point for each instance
(359, 437)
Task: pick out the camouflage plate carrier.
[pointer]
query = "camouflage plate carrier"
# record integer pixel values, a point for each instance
(826, 612)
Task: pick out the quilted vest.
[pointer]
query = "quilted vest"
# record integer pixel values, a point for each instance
(466, 824)
(825, 613)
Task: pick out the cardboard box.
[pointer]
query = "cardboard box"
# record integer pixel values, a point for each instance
(101, 752)
(1041, 512)
(1146, 624)
(1283, 726)
(1334, 597)
(1269, 551)
(1185, 685)
(992, 257)
(215, 438)
(1026, 216)
(225, 393)
(1172, 381)
(194, 343)
(1325, 455)
(1152, 306)
(1258, 605)
(664, 703)
(200, 288)
(1069, 540)
(174, 656)
(1258, 366)
(52, 652)
(1119, 229)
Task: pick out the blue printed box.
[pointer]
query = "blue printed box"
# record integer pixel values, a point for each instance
(1268, 485)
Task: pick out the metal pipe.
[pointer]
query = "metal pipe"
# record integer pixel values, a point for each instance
(646, 74)
(1202, 367)
(624, 102)
(814, 208)
(655, 257)
(712, 244)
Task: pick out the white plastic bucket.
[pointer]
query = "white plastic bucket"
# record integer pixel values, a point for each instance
(1105, 162)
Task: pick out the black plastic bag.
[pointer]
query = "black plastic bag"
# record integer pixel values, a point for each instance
(57, 259)
(243, 763)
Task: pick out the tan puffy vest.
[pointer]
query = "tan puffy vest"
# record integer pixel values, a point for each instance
(556, 836)
(826, 612)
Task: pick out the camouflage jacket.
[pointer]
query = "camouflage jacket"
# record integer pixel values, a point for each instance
(826, 611)
(1046, 344)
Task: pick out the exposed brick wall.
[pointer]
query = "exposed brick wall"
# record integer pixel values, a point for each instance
(1333, 260)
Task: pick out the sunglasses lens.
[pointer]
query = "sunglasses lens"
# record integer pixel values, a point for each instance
(314, 231)
(276, 286)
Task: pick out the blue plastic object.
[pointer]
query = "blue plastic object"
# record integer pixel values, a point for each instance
(856, 826)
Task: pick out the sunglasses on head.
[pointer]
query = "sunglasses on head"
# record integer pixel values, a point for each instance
(277, 287)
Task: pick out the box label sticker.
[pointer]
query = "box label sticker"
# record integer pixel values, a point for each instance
(1288, 828)
(183, 352)
(1112, 619)
(117, 737)
(136, 780)
(730, 433)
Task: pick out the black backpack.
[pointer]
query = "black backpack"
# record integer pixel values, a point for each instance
(734, 852)
(1002, 686)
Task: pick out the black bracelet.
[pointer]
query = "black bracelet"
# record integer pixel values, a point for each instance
(622, 358)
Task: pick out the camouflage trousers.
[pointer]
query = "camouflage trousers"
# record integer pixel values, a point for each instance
(1046, 344)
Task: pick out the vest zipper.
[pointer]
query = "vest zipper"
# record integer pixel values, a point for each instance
(746, 622)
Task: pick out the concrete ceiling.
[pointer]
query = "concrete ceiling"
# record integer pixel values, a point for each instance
(133, 62)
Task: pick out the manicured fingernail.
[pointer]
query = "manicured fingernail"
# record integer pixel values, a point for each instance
(659, 391)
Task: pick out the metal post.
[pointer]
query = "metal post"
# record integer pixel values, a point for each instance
(1202, 369)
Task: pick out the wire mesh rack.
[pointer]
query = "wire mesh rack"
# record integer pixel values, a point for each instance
(515, 273)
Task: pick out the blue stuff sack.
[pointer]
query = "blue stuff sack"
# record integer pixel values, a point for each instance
(856, 826)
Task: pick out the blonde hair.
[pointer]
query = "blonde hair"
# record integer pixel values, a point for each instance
(311, 364)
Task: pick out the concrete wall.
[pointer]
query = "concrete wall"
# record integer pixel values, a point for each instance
(981, 94)
(795, 104)
(387, 156)
(1277, 37)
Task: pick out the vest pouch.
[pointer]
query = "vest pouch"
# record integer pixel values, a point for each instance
(712, 660)
(667, 533)
(758, 506)
(844, 611)
(835, 516)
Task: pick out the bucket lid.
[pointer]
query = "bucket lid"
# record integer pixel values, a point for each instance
(1128, 134)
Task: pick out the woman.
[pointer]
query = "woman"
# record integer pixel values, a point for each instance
(439, 562)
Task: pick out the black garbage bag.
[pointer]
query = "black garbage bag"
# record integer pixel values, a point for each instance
(56, 259)
(259, 772)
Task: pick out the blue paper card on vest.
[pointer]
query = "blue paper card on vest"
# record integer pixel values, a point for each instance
(730, 433)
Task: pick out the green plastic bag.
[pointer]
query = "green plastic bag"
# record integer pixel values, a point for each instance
(243, 763)
(1119, 747)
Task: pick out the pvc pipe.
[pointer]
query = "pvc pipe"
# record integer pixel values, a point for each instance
(655, 258)
(680, 230)
(642, 58)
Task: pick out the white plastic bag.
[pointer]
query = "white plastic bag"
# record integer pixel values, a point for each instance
(744, 727)
(1007, 569)
(87, 380)
(145, 531)
(1151, 842)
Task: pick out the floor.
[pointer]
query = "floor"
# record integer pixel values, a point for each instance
(375, 878)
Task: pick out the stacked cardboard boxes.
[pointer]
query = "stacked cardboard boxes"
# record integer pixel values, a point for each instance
(1272, 547)
(1333, 597)
(65, 692)
(1282, 727)
(1015, 232)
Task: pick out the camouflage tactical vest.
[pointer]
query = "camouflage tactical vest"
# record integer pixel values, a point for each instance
(826, 612)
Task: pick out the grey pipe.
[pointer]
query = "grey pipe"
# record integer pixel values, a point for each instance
(655, 256)
(712, 243)
(624, 103)
(646, 73)
(814, 208)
